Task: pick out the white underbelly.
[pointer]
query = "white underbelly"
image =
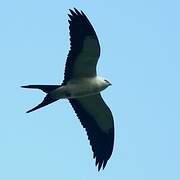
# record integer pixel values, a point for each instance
(83, 90)
(77, 88)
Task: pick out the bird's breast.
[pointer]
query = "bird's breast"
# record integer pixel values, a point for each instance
(83, 87)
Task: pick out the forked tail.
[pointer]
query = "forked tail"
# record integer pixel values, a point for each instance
(47, 100)
(45, 88)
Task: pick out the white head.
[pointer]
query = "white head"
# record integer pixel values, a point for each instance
(107, 83)
(102, 83)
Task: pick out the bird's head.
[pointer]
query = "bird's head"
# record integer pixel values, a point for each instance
(107, 82)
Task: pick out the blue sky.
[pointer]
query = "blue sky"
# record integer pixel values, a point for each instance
(140, 42)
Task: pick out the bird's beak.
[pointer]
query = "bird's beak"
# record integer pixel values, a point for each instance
(110, 84)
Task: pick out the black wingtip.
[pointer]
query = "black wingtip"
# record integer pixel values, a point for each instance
(83, 14)
(104, 164)
(78, 13)
(75, 12)
(70, 16)
(72, 12)
(101, 164)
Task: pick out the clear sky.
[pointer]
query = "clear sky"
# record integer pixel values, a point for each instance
(140, 46)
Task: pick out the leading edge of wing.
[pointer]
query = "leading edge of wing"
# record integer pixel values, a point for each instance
(101, 141)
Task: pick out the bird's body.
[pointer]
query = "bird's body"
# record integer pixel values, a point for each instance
(79, 87)
(82, 87)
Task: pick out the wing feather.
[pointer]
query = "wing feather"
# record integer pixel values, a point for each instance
(84, 48)
(96, 117)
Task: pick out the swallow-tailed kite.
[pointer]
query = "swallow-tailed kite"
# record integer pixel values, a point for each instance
(82, 87)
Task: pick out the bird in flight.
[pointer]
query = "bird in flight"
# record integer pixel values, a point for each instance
(82, 87)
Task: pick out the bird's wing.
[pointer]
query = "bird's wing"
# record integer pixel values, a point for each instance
(85, 49)
(97, 119)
